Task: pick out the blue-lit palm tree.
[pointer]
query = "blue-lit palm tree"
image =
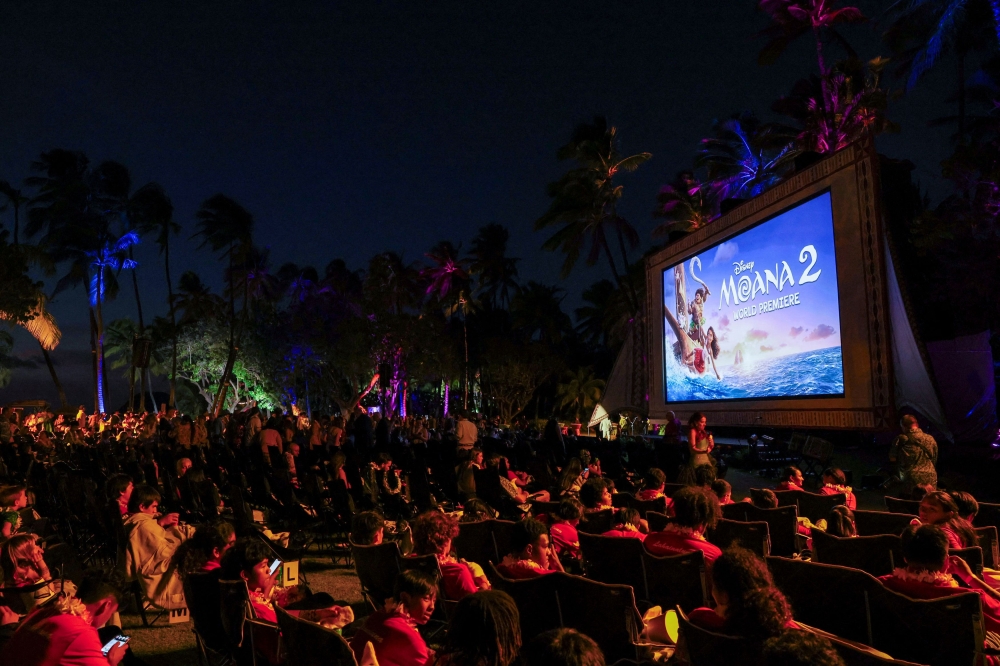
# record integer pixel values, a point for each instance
(746, 156)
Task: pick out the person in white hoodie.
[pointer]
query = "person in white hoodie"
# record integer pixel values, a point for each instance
(152, 540)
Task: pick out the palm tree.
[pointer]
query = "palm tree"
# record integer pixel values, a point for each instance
(746, 156)
(537, 311)
(390, 284)
(584, 200)
(227, 227)
(17, 201)
(448, 283)
(195, 301)
(580, 390)
(792, 19)
(686, 205)
(496, 271)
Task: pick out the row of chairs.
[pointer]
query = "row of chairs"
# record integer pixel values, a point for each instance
(811, 505)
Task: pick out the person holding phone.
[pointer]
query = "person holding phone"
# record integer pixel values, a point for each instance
(65, 630)
(152, 542)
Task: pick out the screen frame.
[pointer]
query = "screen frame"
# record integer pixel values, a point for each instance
(720, 241)
(851, 177)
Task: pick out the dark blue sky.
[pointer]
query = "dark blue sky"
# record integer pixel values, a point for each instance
(352, 128)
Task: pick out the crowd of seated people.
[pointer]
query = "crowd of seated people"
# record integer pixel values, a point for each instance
(179, 492)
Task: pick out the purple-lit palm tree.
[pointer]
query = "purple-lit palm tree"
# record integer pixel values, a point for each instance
(791, 19)
(746, 156)
(686, 205)
(448, 282)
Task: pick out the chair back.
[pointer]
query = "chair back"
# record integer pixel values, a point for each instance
(707, 648)
(752, 536)
(657, 521)
(501, 531)
(598, 522)
(782, 525)
(817, 507)
(616, 628)
(989, 514)
(377, 567)
(677, 580)
(735, 511)
(946, 631)
(539, 508)
(475, 542)
(988, 542)
(827, 596)
(311, 644)
(785, 497)
(203, 596)
(876, 555)
(659, 505)
(670, 488)
(854, 654)
(234, 603)
(973, 556)
(870, 523)
(536, 598)
(614, 560)
(898, 505)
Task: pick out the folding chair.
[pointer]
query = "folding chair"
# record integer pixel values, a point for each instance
(989, 514)
(785, 497)
(237, 617)
(475, 543)
(311, 644)
(988, 542)
(947, 631)
(817, 453)
(817, 507)
(658, 505)
(857, 654)
(707, 648)
(203, 596)
(657, 521)
(614, 560)
(678, 580)
(973, 556)
(897, 505)
(876, 555)
(377, 567)
(827, 596)
(618, 625)
(598, 522)
(752, 536)
(537, 601)
(870, 523)
(670, 488)
(501, 531)
(782, 525)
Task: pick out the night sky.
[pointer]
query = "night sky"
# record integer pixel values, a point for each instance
(352, 128)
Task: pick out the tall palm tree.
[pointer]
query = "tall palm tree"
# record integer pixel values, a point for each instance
(537, 311)
(496, 272)
(584, 200)
(792, 19)
(448, 283)
(227, 227)
(17, 201)
(686, 205)
(390, 284)
(746, 156)
(195, 301)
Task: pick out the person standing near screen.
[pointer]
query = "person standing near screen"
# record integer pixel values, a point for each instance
(915, 454)
(700, 443)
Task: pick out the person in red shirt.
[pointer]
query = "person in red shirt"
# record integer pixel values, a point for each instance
(562, 530)
(792, 479)
(746, 601)
(653, 484)
(834, 483)
(938, 508)
(393, 630)
(595, 495)
(695, 511)
(203, 552)
(931, 574)
(64, 631)
(723, 491)
(432, 535)
(531, 553)
(627, 526)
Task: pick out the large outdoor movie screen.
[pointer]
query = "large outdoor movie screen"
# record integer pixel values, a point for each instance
(758, 315)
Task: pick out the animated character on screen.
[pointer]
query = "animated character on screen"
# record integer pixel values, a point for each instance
(692, 345)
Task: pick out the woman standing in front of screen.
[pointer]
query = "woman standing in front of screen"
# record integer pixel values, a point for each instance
(700, 441)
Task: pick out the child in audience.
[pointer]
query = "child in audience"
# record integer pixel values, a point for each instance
(119, 490)
(152, 540)
(531, 553)
(931, 574)
(938, 508)
(704, 476)
(432, 535)
(653, 484)
(563, 533)
(203, 552)
(967, 505)
(791, 479)
(485, 630)
(627, 525)
(475, 510)
(595, 495)
(723, 491)
(367, 528)
(22, 562)
(562, 647)
(834, 483)
(840, 522)
(799, 648)
(12, 500)
(695, 511)
(766, 499)
(393, 631)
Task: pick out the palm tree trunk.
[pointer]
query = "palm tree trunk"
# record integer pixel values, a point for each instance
(220, 396)
(93, 356)
(173, 323)
(55, 377)
(465, 340)
(102, 383)
(961, 94)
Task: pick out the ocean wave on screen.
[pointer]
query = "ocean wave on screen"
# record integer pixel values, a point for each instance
(811, 373)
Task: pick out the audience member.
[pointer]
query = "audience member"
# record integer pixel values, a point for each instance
(967, 505)
(627, 524)
(432, 535)
(834, 483)
(485, 630)
(563, 533)
(392, 631)
(475, 510)
(799, 648)
(531, 553)
(367, 528)
(765, 499)
(204, 551)
(22, 562)
(840, 522)
(562, 647)
(938, 508)
(695, 510)
(595, 496)
(723, 491)
(791, 479)
(653, 483)
(12, 500)
(152, 540)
